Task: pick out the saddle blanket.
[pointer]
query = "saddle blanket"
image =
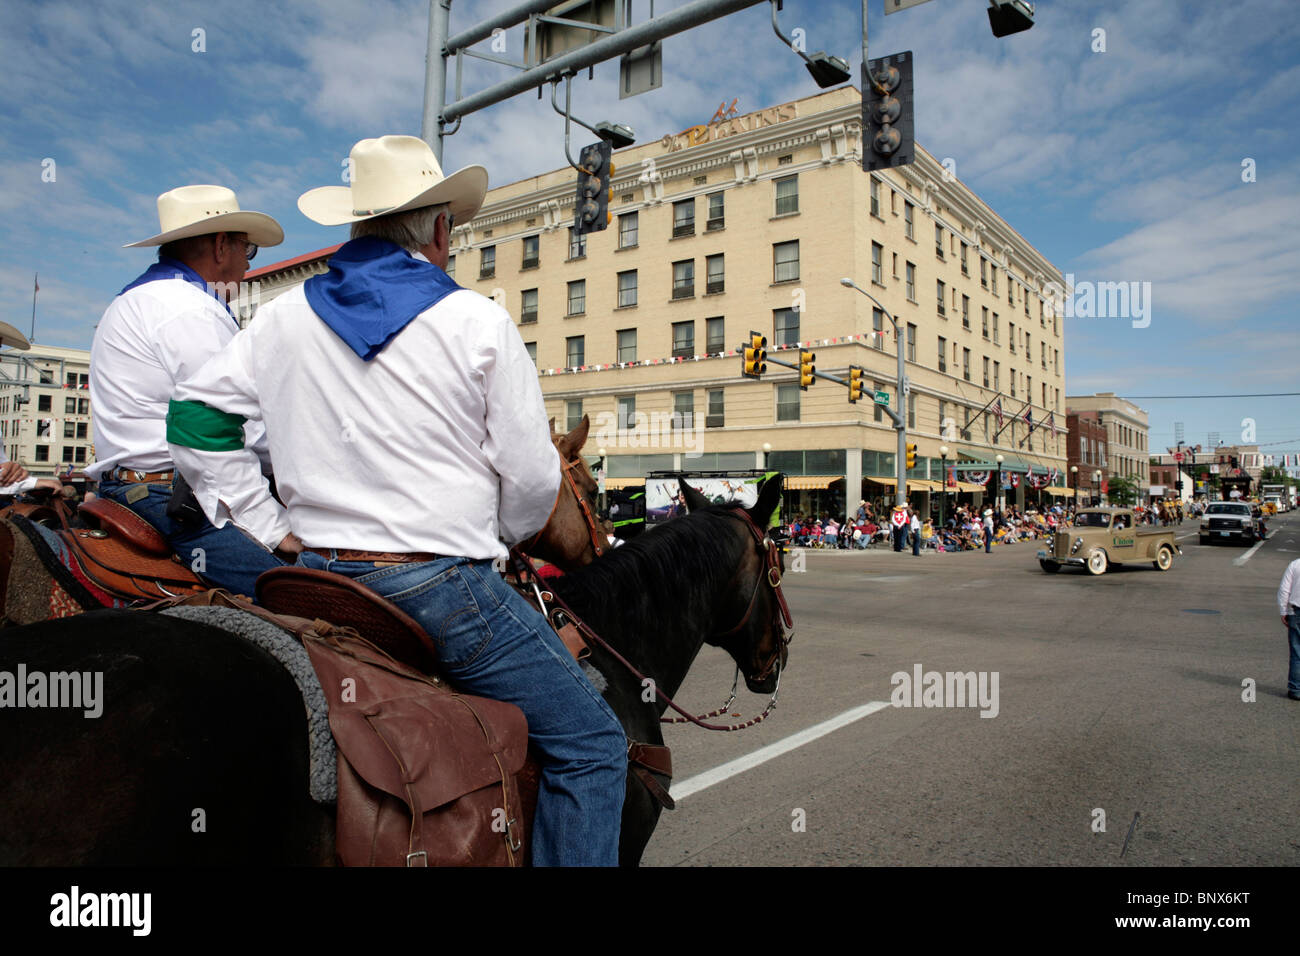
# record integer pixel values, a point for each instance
(284, 647)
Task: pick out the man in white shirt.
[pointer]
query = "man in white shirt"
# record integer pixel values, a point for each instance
(409, 437)
(159, 330)
(1288, 605)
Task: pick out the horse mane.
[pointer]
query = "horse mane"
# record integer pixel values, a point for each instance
(670, 575)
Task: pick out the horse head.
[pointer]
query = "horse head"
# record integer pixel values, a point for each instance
(573, 536)
(759, 642)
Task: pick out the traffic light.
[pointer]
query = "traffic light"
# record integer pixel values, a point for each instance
(755, 363)
(807, 370)
(855, 383)
(593, 188)
(887, 112)
(911, 455)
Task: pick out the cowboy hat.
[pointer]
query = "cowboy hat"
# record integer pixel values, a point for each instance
(395, 174)
(200, 210)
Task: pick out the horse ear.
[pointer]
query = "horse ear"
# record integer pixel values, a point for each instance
(572, 443)
(551, 423)
(694, 500)
(768, 498)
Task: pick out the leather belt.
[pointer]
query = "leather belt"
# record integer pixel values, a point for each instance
(127, 474)
(378, 557)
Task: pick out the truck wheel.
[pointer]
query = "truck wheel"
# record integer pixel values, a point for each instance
(1051, 567)
(1164, 558)
(1097, 562)
(1204, 539)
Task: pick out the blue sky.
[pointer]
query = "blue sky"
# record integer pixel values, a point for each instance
(1122, 165)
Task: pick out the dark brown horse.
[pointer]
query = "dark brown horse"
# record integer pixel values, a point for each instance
(199, 755)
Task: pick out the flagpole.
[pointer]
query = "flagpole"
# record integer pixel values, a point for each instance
(36, 287)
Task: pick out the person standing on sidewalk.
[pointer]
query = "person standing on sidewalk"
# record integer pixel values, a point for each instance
(916, 534)
(988, 530)
(1288, 603)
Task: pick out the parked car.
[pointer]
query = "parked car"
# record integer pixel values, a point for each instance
(1102, 537)
(1226, 521)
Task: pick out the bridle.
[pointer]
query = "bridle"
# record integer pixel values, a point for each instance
(599, 543)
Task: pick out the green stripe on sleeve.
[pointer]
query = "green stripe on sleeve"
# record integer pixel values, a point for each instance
(200, 426)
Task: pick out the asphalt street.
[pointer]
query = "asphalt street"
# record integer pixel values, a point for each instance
(1120, 704)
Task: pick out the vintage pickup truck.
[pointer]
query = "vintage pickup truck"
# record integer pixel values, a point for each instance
(1105, 536)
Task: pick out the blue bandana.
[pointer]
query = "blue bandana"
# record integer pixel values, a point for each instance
(373, 290)
(174, 269)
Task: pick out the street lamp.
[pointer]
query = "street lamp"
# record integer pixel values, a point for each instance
(767, 450)
(997, 489)
(943, 478)
(900, 423)
(1096, 480)
(1074, 471)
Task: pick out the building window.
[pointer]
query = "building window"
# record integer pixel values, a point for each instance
(907, 220)
(683, 409)
(683, 339)
(487, 262)
(965, 364)
(716, 416)
(451, 266)
(943, 415)
(575, 351)
(911, 342)
(717, 212)
(993, 278)
(627, 230)
(528, 306)
(626, 412)
(69, 429)
(877, 262)
(964, 270)
(1013, 383)
(69, 406)
(577, 297)
(531, 349)
(72, 380)
(717, 275)
(875, 197)
(627, 345)
(984, 318)
(984, 276)
(83, 406)
(965, 312)
(1011, 337)
(785, 261)
(941, 291)
(626, 289)
(43, 403)
(47, 376)
(986, 371)
(787, 195)
(785, 326)
(911, 409)
(81, 429)
(787, 403)
(572, 414)
(684, 218)
(997, 370)
(715, 335)
(943, 354)
(532, 252)
(938, 240)
(80, 455)
(43, 452)
(911, 282)
(684, 279)
(878, 328)
(995, 328)
(577, 244)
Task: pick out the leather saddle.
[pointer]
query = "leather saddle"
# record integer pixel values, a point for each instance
(115, 549)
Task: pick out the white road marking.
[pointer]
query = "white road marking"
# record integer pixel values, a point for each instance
(1190, 534)
(702, 781)
(1238, 562)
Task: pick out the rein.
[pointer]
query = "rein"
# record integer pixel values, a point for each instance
(781, 615)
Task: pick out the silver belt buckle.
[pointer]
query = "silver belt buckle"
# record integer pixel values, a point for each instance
(139, 475)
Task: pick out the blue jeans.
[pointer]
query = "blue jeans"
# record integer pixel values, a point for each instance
(230, 558)
(493, 643)
(1293, 635)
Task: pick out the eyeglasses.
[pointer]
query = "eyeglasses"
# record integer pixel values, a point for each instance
(250, 248)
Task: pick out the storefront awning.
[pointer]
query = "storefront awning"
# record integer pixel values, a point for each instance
(616, 484)
(1058, 490)
(887, 482)
(922, 484)
(969, 486)
(810, 482)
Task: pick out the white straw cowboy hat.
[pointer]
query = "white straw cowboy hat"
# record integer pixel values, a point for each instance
(395, 174)
(200, 210)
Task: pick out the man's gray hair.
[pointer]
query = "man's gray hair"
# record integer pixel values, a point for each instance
(412, 230)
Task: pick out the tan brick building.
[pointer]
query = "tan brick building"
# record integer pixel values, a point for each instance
(45, 414)
(749, 223)
(1127, 427)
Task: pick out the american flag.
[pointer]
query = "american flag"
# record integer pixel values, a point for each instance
(1051, 420)
(1028, 416)
(997, 411)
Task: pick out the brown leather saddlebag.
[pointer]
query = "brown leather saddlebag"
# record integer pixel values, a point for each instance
(427, 776)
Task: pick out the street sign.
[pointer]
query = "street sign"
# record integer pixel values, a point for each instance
(881, 398)
(1178, 456)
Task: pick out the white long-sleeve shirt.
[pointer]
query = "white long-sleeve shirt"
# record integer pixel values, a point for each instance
(1288, 593)
(438, 444)
(149, 339)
